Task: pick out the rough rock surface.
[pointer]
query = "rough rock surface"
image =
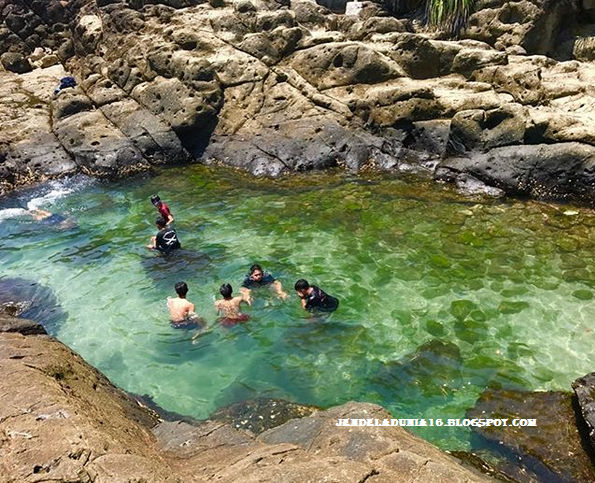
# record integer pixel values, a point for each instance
(62, 421)
(277, 86)
(584, 388)
(259, 415)
(553, 450)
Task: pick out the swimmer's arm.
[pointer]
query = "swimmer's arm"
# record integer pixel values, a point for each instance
(304, 302)
(239, 300)
(278, 288)
(246, 295)
(39, 214)
(152, 243)
(170, 219)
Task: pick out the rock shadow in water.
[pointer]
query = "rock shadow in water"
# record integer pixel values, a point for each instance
(432, 371)
(182, 264)
(28, 299)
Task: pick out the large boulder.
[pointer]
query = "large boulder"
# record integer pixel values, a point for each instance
(563, 171)
(584, 388)
(550, 450)
(535, 25)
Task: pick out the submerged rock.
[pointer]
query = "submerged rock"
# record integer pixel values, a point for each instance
(259, 415)
(27, 299)
(436, 361)
(552, 450)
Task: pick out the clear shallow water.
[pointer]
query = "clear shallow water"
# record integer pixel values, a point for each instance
(441, 296)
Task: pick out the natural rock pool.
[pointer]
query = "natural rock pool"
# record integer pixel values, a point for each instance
(441, 295)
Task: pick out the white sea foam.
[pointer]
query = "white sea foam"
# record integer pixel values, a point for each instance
(57, 189)
(12, 213)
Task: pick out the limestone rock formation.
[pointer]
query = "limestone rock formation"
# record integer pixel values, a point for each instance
(274, 87)
(61, 420)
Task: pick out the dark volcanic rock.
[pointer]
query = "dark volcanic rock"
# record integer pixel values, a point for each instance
(584, 388)
(258, 415)
(15, 62)
(553, 450)
(560, 171)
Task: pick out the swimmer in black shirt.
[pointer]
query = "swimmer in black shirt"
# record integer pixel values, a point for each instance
(256, 278)
(166, 240)
(314, 299)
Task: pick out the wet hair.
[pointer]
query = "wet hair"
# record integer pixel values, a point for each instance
(255, 267)
(160, 222)
(226, 291)
(301, 284)
(181, 288)
(155, 200)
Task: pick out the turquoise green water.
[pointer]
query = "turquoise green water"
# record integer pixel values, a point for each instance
(495, 293)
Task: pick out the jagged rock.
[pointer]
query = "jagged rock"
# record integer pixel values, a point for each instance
(552, 450)
(325, 66)
(204, 81)
(417, 55)
(535, 25)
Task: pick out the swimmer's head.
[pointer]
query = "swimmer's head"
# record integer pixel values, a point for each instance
(256, 272)
(301, 287)
(181, 289)
(226, 291)
(155, 200)
(301, 284)
(160, 222)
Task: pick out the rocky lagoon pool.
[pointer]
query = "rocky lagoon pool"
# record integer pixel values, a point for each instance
(441, 295)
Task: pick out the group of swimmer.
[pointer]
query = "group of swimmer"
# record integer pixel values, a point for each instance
(181, 310)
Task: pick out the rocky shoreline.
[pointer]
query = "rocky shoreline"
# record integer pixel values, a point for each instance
(61, 420)
(274, 87)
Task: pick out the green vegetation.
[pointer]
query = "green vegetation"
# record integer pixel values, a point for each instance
(449, 14)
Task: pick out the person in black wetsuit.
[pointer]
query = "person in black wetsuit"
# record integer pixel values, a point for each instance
(314, 299)
(166, 240)
(256, 278)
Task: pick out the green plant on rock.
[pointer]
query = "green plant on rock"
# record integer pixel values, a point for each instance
(451, 15)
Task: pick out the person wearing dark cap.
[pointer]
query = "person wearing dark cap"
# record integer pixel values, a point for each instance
(163, 209)
(315, 299)
(166, 240)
